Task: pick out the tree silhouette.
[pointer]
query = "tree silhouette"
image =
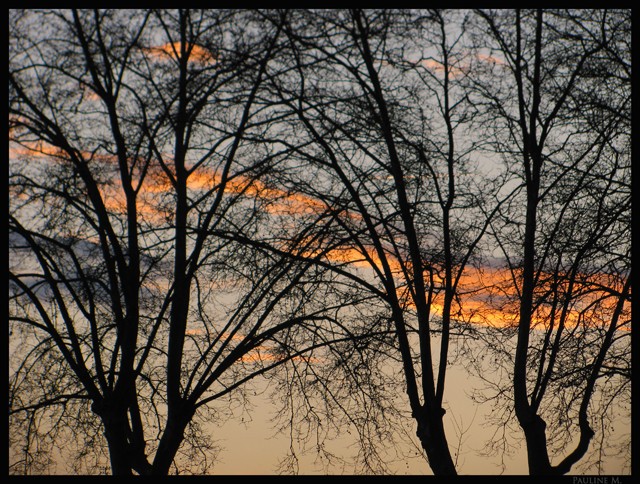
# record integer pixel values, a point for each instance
(341, 203)
(127, 131)
(389, 173)
(566, 235)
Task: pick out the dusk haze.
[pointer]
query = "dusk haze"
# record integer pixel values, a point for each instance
(320, 242)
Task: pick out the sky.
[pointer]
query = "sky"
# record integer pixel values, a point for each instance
(249, 444)
(254, 448)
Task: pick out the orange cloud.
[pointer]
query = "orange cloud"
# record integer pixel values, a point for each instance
(435, 66)
(172, 50)
(485, 296)
(490, 59)
(256, 356)
(36, 149)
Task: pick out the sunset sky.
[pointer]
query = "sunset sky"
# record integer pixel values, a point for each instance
(248, 442)
(314, 238)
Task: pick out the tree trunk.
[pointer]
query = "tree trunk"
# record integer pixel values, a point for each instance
(115, 425)
(434, 442)
(537, 454)
(170, 442)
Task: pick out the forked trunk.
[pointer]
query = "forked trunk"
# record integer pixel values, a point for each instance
(434, 442)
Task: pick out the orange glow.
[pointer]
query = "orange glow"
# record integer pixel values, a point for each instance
(485, 296)
(481, 298)
(172, 50)
(157, 182)
(35, 149)
(260, 353)
(435, 66)
(490, 59)
(257, 355)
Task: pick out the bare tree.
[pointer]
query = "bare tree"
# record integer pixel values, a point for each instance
(556, 98)
(377, 117)
(127, 316)
(203, 197)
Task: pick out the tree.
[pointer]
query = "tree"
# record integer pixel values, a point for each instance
(557, 100)
(204, 199)
(128, 134)
(375, 128)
